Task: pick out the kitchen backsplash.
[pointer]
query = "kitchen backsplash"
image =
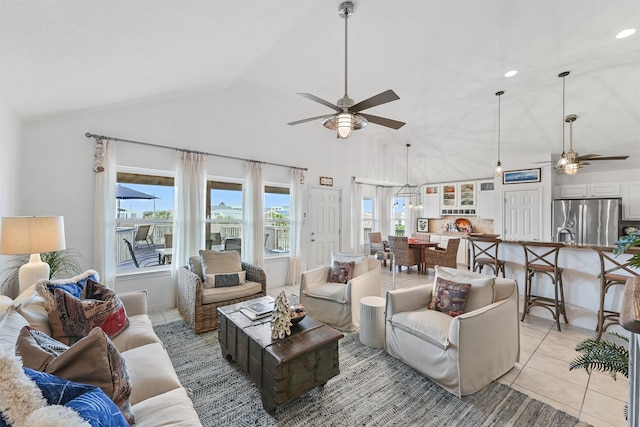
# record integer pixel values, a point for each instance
(478, 225)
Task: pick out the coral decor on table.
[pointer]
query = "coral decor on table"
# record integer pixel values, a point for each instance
(281, 317)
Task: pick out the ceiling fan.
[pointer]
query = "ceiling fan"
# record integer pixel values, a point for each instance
(575, 161)
(349, 116)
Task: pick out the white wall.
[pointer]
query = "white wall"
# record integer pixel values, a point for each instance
(57, 159)
(9, 178)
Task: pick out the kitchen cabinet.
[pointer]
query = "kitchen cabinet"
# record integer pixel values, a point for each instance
(487, 200)
(459, 198)
(630, 201)
(431, 204)
(585, 191)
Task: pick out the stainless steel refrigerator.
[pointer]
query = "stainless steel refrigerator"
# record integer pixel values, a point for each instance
(587, 221)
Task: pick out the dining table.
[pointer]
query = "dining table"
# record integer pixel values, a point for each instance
(424, 246)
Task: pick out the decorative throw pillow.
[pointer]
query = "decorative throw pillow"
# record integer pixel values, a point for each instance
(31, 398)
(216, 262)
(361, 260)
(342, 272)
(92, 360)
(72, 318)
(450, 297)
(74, 285)
(224, 280)
(89, 402)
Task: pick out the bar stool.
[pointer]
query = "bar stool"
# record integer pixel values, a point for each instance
(612, 273)
(484, 251)
(542, 259)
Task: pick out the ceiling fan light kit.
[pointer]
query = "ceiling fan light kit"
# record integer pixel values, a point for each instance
(348, 115)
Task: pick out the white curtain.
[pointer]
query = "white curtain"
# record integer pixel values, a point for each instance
(104, 238)
(384, 202)
(253, 232)
(189, 209)
(295, 227)
(357, 231)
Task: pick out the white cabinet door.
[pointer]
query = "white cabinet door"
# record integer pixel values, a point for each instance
(610, 189)
(462, 252)
(487, 200)
(431, 206)
(576, 191)
(631, 200)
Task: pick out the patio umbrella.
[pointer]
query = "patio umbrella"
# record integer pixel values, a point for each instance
(126, 193)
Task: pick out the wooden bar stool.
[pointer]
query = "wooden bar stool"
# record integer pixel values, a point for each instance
(612, 272)
(542, 259)
(484, 251)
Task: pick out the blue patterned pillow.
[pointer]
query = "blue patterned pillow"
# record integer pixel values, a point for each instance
(89, 401)
(74, 285)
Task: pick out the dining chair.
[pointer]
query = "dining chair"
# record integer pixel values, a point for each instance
(403, 254)
(444, 257)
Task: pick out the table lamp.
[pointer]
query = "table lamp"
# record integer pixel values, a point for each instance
(389, 255)
(21, 235)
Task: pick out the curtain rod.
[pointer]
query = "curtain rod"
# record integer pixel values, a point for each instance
(148, 144)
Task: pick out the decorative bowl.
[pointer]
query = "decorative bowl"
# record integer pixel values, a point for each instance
(298, 312)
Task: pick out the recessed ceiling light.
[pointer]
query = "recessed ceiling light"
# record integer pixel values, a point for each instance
(511, 73)
(625, 33)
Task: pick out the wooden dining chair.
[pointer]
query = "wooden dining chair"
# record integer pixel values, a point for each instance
(402, 253)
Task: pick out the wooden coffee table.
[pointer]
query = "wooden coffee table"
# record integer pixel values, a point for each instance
(285, 369)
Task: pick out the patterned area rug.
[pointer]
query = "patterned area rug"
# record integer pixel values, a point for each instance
(373, 389)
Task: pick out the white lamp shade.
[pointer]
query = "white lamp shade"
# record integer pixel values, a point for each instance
(22, 235)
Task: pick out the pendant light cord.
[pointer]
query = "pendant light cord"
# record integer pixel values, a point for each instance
(346, 51)
(499, 114)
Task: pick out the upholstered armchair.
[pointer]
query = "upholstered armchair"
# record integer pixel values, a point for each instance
(464, 353)
(338, 304)
(444, 257)
(403, 254)
(198, 296)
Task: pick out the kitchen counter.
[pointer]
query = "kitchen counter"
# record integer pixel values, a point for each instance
(581, 267)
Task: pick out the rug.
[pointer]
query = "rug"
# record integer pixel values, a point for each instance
(372, 389)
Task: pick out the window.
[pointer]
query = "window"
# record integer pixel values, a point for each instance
(144, 220)
(398, 217)
(277, 202)
(224, 217)
(367, 217)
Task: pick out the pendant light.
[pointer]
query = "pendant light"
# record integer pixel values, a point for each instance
(409, 192)
(498, 169)
(572, 166)
(563, 162)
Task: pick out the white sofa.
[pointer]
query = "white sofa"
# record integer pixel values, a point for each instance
(157, 398)
(338, 304)
(464, 353)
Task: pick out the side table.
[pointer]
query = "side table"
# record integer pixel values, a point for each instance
(372, 321)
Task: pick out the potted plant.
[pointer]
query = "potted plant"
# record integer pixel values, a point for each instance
(602, 354)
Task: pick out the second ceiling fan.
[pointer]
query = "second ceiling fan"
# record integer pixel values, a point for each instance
(349, 115)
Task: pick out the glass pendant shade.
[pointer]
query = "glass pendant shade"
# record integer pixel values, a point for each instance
(345, 125)
(497, 171)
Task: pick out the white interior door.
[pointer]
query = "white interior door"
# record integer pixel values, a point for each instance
(324, 229)
(522, 215)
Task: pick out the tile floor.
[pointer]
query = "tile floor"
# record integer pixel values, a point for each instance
(543, 372)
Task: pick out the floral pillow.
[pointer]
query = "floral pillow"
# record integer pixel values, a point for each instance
(72, 318)
(92, 360)
(342, 272)
(449, 297)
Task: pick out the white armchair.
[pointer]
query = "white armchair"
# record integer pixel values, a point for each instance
(337, 304)
(464, 353)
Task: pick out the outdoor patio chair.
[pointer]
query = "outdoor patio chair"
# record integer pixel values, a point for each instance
(144, 234)
(145, 261)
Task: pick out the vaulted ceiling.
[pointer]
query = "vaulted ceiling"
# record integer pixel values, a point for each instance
(445, 59)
